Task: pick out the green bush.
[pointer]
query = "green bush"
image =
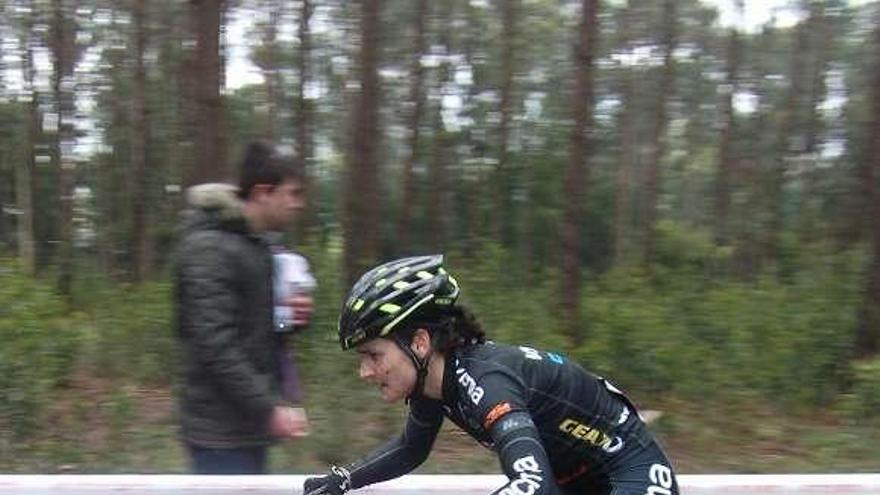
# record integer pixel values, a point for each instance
(862, 404)
(133, 334)
(689, 330)
(40, 343)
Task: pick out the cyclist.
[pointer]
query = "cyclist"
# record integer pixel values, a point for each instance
(556, 427)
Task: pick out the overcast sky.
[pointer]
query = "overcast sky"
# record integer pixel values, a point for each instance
(240, 71)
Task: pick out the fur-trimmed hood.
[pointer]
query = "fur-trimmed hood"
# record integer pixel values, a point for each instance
(213, 205)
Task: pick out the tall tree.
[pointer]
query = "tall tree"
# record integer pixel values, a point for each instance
(726, 156)
(868, 332)
(417, 102)
(64, 53)
(820, 39)
(576, 175)
(657, 146)
(787, 125)
(267, 58)
(25, 172)
(437, 195)
(627, 133)
(503, 179)
(140, 240)
(304, 117)
(303, 114)
(362, 195)
(209, 122)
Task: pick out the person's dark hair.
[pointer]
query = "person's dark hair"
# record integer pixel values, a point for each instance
(457, 328)
(261, 165)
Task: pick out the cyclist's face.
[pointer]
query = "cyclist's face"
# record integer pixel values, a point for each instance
(383, 363)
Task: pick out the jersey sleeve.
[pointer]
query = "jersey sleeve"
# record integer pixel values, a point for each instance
(404, 453)
(498, 403)
(522, 456)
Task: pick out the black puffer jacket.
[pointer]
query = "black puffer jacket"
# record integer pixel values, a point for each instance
(223, 291)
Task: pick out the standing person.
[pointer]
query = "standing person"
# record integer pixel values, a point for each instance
(556, 427)
(231, 406)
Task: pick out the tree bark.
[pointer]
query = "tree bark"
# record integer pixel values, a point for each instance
(25, 175)
(503, 175)
(303, 106)
(269, 65)
(658, 140)
(576, 176)
(787, 123)
(820, 38)
(626, 156)
(64, 53)
(140, 240)
(362, 195)
(417, 100)
(209, 124)
(868, 331)
(726, 154)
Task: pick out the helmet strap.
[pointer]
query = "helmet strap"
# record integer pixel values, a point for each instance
(421, 365)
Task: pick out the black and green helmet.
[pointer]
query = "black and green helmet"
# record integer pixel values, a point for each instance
(393, 293)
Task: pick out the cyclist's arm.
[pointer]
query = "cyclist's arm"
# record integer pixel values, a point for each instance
(404, 453)
(522, 456)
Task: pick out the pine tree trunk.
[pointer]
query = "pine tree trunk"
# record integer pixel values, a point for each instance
(304, 120)
(787, 118)
(658, 141)
(25, 225)
(362, 195)
(726, 154)
(473, 218)
(27, 248)
(303, 106)
(626, 157)
(270, 69)
(438, 180)
(209, 123)
(64, 51)
(868, 332)
(417, 100)
(140, 241)
(503, 175)
(576, 176)
(820, 37)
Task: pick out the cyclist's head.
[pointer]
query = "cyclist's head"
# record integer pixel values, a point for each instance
(391, 296)
(398, 301)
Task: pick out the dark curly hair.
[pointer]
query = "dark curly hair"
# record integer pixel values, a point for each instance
(453, 329)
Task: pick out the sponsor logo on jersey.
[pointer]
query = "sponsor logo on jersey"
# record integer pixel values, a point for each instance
(495, 414)
(661, 479)
(528, 480)
(474, 391)
(591, 435)
(624, 415)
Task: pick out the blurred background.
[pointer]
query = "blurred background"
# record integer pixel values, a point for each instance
(680, 194)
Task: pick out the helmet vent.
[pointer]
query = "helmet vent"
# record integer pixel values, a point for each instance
(389, 308)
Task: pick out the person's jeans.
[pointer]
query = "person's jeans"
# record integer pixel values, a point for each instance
(245, 460)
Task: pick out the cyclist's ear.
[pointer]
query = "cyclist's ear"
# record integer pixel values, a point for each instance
(421, 342)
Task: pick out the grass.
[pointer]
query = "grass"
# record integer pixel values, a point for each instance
(96, 425)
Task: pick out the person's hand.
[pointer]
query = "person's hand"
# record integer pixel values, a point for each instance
(303, 307)
(288, 422)
(336, 482)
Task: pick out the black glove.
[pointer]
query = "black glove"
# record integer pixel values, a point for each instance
(336, 482)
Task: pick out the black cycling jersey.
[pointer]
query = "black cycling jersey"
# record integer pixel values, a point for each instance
(554, 426)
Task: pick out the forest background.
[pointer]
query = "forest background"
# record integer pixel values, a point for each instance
(687, 207)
